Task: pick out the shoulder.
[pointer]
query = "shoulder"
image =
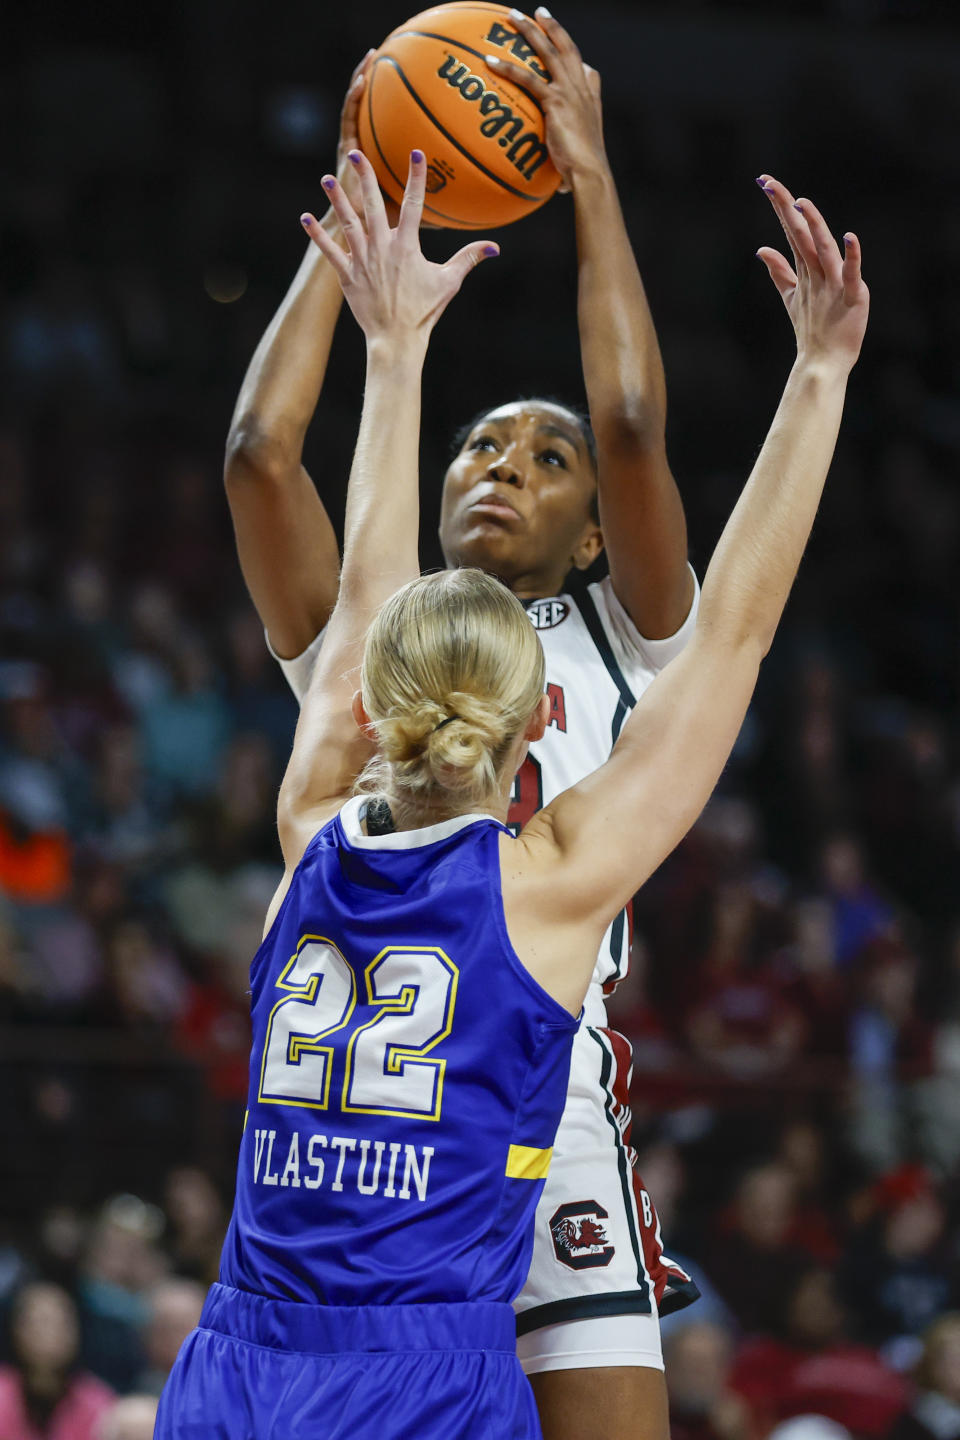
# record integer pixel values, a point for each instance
(635, 651)
(542, 878)
(301, 839)
(548, 923)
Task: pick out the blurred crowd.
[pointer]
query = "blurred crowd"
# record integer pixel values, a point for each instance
(794, 1001)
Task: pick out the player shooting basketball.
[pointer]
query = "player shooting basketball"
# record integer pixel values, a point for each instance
(522, 500)
(414, 998)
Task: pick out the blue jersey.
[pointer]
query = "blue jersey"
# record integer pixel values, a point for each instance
(407, 1078)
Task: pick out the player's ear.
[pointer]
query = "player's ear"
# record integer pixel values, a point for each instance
(359, 713)
(587, 548)
(537, 724)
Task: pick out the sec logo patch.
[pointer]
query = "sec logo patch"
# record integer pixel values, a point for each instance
(547, 614)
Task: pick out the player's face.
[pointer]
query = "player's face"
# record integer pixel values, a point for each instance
(517, 500)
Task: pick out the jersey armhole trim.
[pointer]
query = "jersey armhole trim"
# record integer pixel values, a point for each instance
(271, 934)
(591, 618)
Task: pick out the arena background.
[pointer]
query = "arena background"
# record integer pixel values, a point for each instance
(795, 1000)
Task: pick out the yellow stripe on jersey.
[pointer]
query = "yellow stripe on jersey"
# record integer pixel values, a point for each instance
(524, 1162)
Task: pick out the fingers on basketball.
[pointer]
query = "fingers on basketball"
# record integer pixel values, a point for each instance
(411, 210)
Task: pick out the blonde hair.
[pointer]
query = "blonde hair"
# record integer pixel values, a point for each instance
(452, 672)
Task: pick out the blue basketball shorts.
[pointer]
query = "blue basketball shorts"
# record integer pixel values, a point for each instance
(261, 1369)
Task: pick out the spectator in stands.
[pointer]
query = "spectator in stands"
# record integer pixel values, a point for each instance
(899, 1273)
(860, 913)
(935, 1412)
(126, 824)
(891, 1048)
(122, 1264)
(196, 1223)
(702, 1404)
(809, 1365)
(45, 1393)
(186, 731)
(174, 1308)
(131, 1418)
(751, 1260)
(662, 1167)
(803, 1151)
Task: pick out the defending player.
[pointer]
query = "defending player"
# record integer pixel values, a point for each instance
(520, 500)
(415, 994)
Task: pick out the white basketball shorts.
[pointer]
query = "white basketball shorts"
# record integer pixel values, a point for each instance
(597, 1250)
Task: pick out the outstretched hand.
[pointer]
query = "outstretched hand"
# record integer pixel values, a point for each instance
(392, 289)
(824, 293)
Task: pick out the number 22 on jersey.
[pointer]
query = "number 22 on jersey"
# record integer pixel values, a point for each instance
(411, 990)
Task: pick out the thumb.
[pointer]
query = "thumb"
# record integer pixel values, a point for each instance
(465, 260)
(779, 271)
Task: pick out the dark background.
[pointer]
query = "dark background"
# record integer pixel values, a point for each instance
(795, 1001)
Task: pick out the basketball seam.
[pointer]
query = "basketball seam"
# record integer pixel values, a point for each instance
(462, 45)
(504, 185)
(461, 5)
(440, 214)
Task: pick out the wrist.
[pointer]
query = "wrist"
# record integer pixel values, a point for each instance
(591, 179)
(405, 349)
(822, 369)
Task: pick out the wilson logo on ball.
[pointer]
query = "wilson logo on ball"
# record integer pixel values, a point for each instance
(527, 151)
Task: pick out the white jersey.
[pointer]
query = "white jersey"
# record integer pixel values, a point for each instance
(598, 666)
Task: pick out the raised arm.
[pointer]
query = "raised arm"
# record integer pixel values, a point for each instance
(641, 513)
(396, 296)
(285, 541)
(582, 857)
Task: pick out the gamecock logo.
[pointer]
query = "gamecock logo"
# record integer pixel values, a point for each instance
(579, 1236)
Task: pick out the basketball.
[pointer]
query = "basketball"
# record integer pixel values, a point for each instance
(429, 88)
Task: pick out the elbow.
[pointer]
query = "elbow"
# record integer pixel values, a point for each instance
(633, 424)
(744, 641)
(254, 453)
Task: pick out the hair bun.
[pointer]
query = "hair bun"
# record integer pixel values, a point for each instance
(452, 670)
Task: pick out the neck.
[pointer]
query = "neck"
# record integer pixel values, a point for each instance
(418, 815)
(526, 584)
(536, 587)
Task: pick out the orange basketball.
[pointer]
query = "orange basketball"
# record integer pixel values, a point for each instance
(428, 88)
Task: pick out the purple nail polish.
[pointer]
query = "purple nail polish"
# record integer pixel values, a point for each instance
(491, 251)
(847, 240)
(798, 206)
(416, 156)
(305, 221)
(762, 181)
(328, 182)
(354, 157)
